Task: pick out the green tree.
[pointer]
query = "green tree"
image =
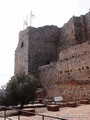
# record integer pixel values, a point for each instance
(2, 94)
(21, 89)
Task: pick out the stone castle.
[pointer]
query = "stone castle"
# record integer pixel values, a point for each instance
(59, 57)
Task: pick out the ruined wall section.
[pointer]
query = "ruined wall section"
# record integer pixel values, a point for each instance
(72, 69)
(42, 47)
(21, 53)
(80, 29)
(67, 36)
(87, 17)
(74, 32)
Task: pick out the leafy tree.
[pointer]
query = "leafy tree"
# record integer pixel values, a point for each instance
(2, 94)
(21, 89)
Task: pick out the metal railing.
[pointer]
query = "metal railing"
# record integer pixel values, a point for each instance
(5, 109)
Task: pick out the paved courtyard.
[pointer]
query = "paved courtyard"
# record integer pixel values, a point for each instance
(81, 112)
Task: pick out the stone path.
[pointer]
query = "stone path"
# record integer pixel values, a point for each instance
(81, 112)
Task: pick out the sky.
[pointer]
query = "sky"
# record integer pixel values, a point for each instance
(46, 12)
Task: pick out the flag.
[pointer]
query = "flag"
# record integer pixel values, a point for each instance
(25, 22)
(32, 15)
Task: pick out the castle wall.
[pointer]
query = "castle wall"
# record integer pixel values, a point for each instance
(21, 53)
(72, 69)
(74, 32)
(42, 47)
(36, 47)
(87, 17)
(80, 29)
(62, 55)
(67, 36)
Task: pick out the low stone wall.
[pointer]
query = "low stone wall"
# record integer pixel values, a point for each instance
(71, 91)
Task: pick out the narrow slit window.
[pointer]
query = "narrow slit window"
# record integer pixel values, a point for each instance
(22, 44)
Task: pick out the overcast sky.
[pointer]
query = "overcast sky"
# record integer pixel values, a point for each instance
(47, 12)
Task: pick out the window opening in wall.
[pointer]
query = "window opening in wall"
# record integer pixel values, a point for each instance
(87, 67)
(22, 44)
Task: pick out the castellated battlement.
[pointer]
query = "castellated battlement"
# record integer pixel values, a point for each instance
(59, 57)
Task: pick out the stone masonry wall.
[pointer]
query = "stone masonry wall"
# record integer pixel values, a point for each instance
(67, 36)
(39, 48)
(21, 53)
(72, 69)
(42, 47)
(74, 32)
(62, 55)
(70, 91)
(87, 17)
(43, 44)
(80, 29)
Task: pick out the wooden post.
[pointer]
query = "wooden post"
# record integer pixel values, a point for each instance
(42, 117)
(19, 112)
(4, 114)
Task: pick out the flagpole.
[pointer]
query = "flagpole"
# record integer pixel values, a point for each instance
(23, 24)
(27, 19)
(30, 17)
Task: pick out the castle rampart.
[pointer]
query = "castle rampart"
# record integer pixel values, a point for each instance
(67, 36)
(72, 68)
(59, 57)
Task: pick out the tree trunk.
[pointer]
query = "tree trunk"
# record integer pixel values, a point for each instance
(21, 106)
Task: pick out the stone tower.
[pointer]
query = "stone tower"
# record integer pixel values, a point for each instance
(36, 47)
